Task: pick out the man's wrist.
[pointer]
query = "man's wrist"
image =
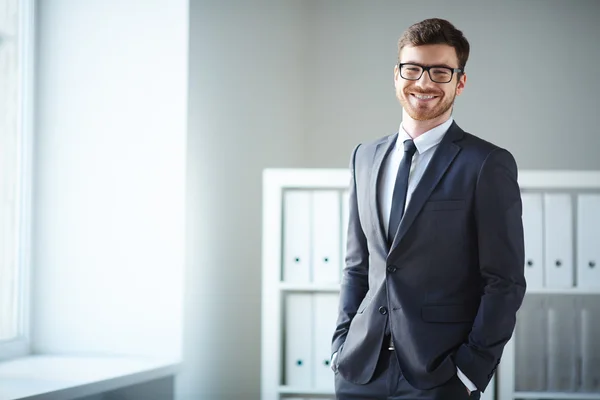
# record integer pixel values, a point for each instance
(333, 362)
(466, 381)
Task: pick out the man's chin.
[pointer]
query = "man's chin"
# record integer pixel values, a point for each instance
(427, 115)
(419, 116)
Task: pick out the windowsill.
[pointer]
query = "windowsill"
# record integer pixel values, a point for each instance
(45, 377)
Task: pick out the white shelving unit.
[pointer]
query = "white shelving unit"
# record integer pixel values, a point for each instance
(559, 323)
(276, 290)
(309, 295)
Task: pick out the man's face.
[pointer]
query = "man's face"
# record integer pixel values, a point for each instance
(424, 99)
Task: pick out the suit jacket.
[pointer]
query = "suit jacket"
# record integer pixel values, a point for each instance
(451, 282)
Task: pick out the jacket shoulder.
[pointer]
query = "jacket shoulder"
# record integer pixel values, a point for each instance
(478, 149)
(369, 147)
(475, 143)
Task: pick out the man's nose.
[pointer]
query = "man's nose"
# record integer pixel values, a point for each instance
(425, 79)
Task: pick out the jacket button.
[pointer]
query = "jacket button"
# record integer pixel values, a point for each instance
(391, 269)
(382, 310)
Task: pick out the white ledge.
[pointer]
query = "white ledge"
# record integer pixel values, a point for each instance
(46, 377)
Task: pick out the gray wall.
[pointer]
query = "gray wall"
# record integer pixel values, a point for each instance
(245, 113)
(298, 83)
(530, 87)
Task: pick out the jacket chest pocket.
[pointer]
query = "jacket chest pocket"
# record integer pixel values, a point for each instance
(444, 205)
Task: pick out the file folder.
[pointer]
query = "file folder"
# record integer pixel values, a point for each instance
(534, 239)
(298, 340)
(563, 344)
(590, 344)
(296, 236)
(558, 224)
(325, 316)
(490, 391)
(345, 219)
(588, 241)
(530, 345)
(326, 236)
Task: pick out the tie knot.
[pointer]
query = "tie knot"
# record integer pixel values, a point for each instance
(409, 147)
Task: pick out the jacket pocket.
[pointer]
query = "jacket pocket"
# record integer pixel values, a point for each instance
(447, 313)
(444, 205)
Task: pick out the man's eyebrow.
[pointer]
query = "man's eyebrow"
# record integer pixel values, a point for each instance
(442, 65)
(429, 65)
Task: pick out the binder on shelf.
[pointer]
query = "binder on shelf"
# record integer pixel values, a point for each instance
(345, 219)
(490, 391)
(533, 236)
(558, 254)
(325, 221)
(590, 348)
(296, 236)
(530, 345)
(588, 239)
(563, 344)
(325, 307)
(298, 340)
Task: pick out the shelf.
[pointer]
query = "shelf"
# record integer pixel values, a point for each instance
(305, 391)
(334, 287)
(556, 395)
(573, 290)
(42, 377)
(309, 287)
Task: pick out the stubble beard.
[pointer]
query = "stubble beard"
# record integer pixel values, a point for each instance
(441, 108)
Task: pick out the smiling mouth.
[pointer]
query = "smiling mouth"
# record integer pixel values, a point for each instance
(423, 96)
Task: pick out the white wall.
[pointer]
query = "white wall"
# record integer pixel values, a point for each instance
(109, 193)
(246, 101)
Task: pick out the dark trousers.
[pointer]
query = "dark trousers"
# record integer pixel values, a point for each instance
(388, 383)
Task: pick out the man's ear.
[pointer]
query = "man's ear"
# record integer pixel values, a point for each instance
(462, 81)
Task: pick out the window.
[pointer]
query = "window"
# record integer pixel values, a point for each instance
(16, 24)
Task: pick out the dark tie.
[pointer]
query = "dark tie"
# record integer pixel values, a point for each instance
(400, 188)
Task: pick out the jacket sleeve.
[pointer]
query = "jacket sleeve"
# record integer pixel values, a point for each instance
(498, 215)
(355, 278)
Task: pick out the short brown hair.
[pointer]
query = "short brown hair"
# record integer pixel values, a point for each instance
(436, 31)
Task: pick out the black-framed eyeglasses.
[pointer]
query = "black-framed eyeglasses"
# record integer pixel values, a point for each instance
(438, 74)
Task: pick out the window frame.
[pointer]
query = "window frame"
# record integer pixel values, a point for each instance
(21, 345)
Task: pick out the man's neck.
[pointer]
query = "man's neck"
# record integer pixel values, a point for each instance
(416, 128)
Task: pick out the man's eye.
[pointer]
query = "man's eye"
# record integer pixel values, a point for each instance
(441, 72)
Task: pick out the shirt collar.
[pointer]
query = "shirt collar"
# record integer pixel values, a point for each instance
(426, 140)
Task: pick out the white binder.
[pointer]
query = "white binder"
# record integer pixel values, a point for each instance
(530, 346)
(325, 236)
(298, 340)
(558, 254)
(563, 344)
(296, 236)
(590, 350)
(490, 391)
(588, 241)
(325, 307)
(345, 219)
(533, 234)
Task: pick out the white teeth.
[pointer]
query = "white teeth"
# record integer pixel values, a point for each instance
(423, 97)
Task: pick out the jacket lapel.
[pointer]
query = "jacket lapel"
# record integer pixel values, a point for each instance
(439, 163)
(381, 151)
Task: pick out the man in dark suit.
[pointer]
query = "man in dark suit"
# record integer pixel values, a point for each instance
(434, 268)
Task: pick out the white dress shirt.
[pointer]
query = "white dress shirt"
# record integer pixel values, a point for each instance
(426, 145)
